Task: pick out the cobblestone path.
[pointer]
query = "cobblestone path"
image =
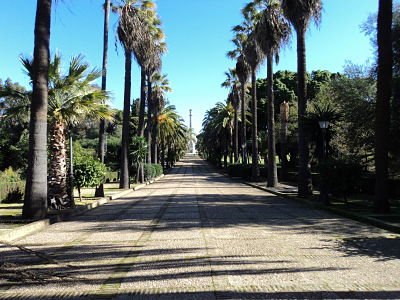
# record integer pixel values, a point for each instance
(196, 234)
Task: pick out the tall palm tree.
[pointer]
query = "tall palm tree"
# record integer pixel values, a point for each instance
(132, 34)
(254, 56)
(271, 32)
(382, 123)
(35, 199)
(300, 13)
(232, 82)
(71, 99)
(102, 128)
(243, 72)
(160, 84)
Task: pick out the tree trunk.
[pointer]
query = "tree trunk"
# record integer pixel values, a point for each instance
(255, 169)
(57, 182)
(149, 111)
(236, 135)
(124, 180)
(304, 174)
(142, 102)
(272, 176)
(243, 115)
(35, 200)
(102, 129)
(284, 113)
(382, 125)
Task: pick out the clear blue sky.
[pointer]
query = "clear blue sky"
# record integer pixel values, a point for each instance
(198, 36)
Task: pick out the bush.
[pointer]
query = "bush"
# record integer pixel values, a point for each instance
(88, 172)
(11, 186)
(239, 170)
(14, 196)
(152, 171)
(342, 175)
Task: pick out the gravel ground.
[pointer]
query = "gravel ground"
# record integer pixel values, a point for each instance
(196, 234)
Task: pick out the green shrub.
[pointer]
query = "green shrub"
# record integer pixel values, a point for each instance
(11, 186)
(239, 170)
(152, 171)
(88, 172)
(341, 175)
(14, 196)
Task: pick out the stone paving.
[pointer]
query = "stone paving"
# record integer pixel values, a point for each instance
(198, 235)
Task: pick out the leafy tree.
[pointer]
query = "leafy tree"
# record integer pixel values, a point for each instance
(138, 154)
(88, 172)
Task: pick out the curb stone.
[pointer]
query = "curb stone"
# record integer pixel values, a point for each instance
(363, 219)
(35, 226)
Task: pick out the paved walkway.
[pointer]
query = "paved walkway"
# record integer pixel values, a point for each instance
(198, 235)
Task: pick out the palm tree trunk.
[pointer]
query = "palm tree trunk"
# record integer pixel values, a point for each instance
(304, 174)
(284, 113)
(255, 169)
(102, 129)
(142, 102)
(236, 136)
(124, 180)
(243, 115)
(382, 123)
(155, 137)
(57, 184)
(272, 176)
(149, 111)
(35, 200)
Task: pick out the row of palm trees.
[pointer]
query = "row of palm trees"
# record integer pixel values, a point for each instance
(141, 37)
(265, 29)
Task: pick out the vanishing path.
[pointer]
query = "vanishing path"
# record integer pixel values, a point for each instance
(196, 234)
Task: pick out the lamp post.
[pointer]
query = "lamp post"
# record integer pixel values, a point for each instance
(323, 188)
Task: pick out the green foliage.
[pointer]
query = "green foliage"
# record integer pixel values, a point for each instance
(152, 171)
(88, 172)
(239, 170)
(138, 149)
(342, 175)
(14, 196)
(11, 186)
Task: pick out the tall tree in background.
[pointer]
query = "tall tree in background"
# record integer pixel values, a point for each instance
(102, 133)
(382, 122)
(35, 201)
(271, 32)
(300, 13)
(131, 34)
(233, 84)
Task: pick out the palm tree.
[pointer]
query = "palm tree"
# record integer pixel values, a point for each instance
(232, 82)
(71, 99)
(35, 199)
(160, 87)
(132, 34)
(253, 55)
(242, 71)
(382, 123)
(102, 128)
(271, 32)
(300, 13)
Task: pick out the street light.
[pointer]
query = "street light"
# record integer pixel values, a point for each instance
(323, 189)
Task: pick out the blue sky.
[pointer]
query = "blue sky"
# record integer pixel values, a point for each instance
(198, 35)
